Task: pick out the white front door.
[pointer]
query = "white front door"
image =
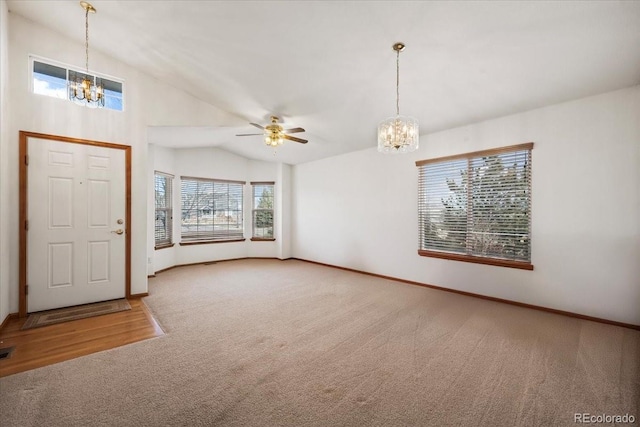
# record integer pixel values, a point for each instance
(76, 230)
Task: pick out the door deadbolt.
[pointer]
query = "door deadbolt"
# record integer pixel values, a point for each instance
(120, 221)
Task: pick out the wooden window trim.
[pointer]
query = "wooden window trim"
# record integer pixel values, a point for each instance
(195, 178)
(481, 153)
(261, 239)
(207, 242)
(164, 246)
(523, 265)
(262, 183)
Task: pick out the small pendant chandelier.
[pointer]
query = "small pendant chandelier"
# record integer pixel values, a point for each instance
(398, 134)
(86, 89)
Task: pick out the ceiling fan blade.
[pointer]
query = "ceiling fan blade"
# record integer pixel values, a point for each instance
(257, 125)
(293, 138)
(294, 130)
(248, 134)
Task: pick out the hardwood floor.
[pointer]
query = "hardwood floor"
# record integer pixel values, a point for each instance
(56, 343)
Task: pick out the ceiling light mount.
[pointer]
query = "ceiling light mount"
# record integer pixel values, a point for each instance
(398, 134)
(88, 7)
(398, 47)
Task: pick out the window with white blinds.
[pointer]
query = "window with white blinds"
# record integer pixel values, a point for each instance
(477, 206)
(164, 210)
(263, 193)
(211, 210)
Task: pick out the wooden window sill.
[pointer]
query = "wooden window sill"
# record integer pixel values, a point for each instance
(263, 239)
(206, 242)
(476, 259)
(164, 246)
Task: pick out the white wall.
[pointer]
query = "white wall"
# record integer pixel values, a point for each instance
(147, 102)
(4, 162)
(217, 164)
(359, 210)
(283, 214)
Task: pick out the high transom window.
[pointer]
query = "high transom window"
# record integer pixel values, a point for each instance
(51, 79)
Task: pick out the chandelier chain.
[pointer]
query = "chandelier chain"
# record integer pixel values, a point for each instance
(84, 88)
(397, 83)
(86, 39)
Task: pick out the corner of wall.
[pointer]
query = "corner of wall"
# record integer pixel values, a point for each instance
(283, 199)
(4, 161)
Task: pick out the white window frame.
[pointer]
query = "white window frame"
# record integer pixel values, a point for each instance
(257, 211)
(167, 209)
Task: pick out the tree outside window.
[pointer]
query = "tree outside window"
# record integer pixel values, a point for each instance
(263, 196)
(477, 207)
(212, 210)
(164, 210)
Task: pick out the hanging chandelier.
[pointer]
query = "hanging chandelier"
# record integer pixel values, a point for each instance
(398, 134)
(86, 89)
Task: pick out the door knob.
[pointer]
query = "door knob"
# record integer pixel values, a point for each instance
(118, 231)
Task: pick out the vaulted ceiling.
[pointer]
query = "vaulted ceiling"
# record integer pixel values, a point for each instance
(328, 66)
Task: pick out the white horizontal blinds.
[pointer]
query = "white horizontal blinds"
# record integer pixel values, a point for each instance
(443, 206)
(479, 205)
(500, 206)
(211, 209)
(263, 195)
(164, 211)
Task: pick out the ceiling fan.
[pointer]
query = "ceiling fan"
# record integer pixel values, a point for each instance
(275, 134)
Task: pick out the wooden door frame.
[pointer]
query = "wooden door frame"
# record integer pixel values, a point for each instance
(23, 161)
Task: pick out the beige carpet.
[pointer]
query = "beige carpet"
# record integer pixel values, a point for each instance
(272, 343)
(67, 314)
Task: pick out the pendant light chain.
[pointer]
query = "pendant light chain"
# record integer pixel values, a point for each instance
(84, 88)
(86, 39)
(397, 82)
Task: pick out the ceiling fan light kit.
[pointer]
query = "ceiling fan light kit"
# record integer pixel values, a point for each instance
(275, 134)
(399, 134)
